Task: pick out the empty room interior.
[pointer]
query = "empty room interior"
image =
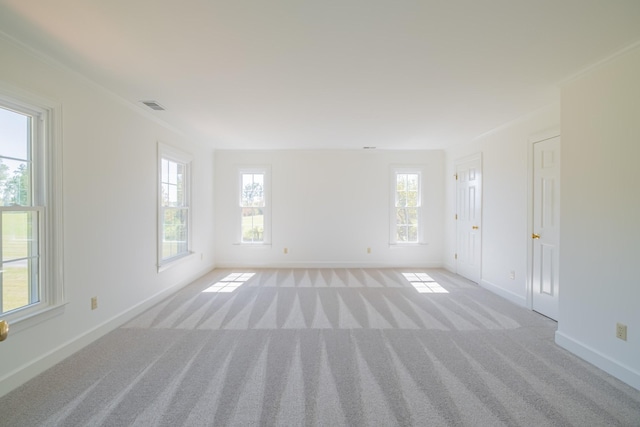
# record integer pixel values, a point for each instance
(319, 213)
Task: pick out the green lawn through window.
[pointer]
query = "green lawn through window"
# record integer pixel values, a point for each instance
(15, 280)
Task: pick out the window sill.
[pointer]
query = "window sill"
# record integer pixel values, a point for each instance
(253, 245)
(21, 321)
(406, 245)
(175, 261)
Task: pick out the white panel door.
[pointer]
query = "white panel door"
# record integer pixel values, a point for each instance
(546, 231)
(469, 218)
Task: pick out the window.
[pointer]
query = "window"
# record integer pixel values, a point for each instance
(31, 249)
(254, 212)
(406, 201)
(174, 203)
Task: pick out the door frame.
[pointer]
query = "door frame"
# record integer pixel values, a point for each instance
(457, 162)
(533, 139)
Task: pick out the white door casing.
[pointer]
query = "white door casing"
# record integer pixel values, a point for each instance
(469, 217)
(546, 228)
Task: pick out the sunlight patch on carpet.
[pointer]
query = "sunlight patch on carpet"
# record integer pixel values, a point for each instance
(230, 283)
(424, 284)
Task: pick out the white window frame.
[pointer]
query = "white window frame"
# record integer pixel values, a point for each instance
(46, 164)
(266, 171)
(168, 152)
(393, 229)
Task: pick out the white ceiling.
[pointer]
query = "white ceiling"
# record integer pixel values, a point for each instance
(329, 73)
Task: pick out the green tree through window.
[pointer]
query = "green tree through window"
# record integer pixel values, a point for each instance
(15, 188)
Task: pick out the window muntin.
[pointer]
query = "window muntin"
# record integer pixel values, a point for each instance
(22, 208)
(407, 202)
(174, 206)
(252, 204)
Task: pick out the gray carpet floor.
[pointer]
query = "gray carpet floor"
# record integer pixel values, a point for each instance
(326, 347)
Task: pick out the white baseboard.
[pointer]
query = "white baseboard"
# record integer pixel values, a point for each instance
(24, 373)
(508, 295)
(312, 264)
(599, 360)
(451, 268)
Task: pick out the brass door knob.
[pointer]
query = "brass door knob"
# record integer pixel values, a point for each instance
(535, 236)
(4, 330)
(474, 227)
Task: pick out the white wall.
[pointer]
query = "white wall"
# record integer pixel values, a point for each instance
(504, 226)
(109, 157)
(328, 208)
(600, 214)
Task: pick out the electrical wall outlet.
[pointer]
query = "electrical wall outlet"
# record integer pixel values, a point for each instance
(286, 251)
(368, 250)
(94, 303)
(512, 275)
(621, 331)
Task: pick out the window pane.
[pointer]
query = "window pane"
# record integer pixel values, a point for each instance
(252, 190)
(15, 183)
(180, 184)
(401, 199)
(165, 195)
(174, 183)
(412, 216)
(173, 173)
(19, 235)
(246, 193)
(412, 182)
(15, 286)
(14, 138)
(252, 224)
(180, 196)
(173, 195)
(247, 180)
(412, 198)
(175, 232)
(401, 182)
(165, 170)
(402, 234)
(412, 234)
(401, 216)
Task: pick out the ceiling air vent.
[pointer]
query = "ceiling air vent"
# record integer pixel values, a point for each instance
(153, 105)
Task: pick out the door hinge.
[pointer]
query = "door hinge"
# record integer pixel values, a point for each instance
(455, 256)
(456, 176)
(456, 216)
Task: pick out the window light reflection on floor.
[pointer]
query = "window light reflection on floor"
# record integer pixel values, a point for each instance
(424, 284)
(230, 283)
